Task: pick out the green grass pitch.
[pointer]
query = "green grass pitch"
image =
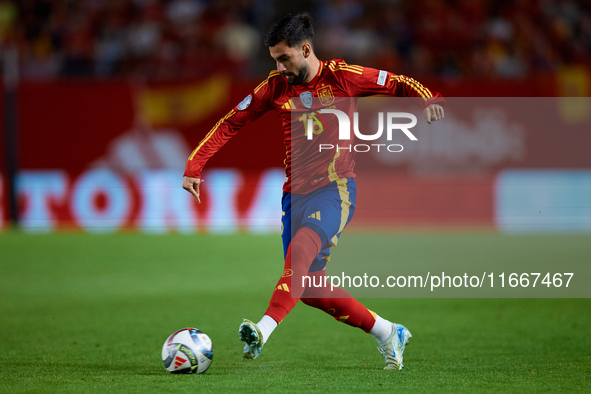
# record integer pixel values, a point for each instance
(89, 313)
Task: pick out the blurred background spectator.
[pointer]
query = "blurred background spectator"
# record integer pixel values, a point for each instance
(185, 39)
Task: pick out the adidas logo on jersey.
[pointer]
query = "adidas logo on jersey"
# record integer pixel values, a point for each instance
(315, 215)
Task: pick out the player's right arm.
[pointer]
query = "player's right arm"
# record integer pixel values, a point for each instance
(367, 81)
(250, 109)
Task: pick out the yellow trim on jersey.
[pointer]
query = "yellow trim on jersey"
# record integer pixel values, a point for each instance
(423, 92)
(343, 193)
(350, 70)
(353, 66)
(342, 66)
(420, 89)
(339, 64)
(208, 136)
(418, 84)
(345, 204)
(332, 173)
(410, 81)
(266, 81)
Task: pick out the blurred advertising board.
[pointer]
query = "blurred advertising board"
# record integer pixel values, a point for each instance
(109, 156)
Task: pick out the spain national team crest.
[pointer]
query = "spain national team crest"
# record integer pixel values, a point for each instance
(325, 95)
(306, 98)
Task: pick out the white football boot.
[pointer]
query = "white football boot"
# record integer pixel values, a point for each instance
(249, 333)
(394, 347)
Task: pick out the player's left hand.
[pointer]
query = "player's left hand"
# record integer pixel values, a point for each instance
(433, 112)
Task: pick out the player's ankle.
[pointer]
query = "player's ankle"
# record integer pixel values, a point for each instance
(266, 326)
(381, 330)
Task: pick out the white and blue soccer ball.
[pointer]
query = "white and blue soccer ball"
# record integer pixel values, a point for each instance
(187, 351)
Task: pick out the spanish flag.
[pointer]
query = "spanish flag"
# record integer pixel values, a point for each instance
(184, 104)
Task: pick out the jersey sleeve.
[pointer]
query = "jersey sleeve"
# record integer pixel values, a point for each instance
(258, 102)
(366, 81)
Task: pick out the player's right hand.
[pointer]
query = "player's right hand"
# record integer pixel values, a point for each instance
(192, 186)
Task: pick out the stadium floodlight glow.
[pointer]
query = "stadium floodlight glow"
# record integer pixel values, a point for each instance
(345, 125)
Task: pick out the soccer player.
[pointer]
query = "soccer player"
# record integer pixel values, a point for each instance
(319, 191)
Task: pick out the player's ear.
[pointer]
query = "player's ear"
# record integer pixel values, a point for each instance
(306, 49)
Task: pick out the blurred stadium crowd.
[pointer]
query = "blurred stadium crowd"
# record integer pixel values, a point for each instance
(171, 39)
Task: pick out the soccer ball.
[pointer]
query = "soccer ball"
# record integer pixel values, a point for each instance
(187, 351)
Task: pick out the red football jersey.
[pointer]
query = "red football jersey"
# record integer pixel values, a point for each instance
(306, 167)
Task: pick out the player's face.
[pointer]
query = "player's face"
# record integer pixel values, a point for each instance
(291, 62)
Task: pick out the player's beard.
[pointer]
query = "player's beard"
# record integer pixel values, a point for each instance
(300, 77)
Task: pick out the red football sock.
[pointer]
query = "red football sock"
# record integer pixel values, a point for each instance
(302, 250)
(339, 304)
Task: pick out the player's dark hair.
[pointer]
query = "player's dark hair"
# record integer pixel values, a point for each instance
(293, 28)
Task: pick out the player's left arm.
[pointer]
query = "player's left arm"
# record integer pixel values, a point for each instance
(375, 82)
